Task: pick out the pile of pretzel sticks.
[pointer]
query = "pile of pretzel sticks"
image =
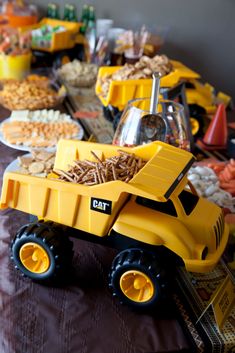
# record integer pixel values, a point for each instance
(122, 167)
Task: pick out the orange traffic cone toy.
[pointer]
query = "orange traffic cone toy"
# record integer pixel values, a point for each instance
(217, 133)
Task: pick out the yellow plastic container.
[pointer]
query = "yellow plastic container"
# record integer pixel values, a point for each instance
(60, 40)
(15, 67)
(120, 92)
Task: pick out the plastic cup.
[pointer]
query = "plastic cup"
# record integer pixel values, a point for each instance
(113, 35)
(15, 67)
(103, 26)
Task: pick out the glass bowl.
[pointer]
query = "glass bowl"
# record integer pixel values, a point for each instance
(31, 94)
(137, 127)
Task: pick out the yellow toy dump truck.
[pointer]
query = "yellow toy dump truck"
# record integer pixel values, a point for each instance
(200, 98)
(156, 219)
(198, 95)
(120, 92)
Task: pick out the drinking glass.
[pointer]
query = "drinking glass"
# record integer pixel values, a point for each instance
(137, 126)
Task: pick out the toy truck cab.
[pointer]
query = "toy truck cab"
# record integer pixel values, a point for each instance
(153, 217)
(180, 224)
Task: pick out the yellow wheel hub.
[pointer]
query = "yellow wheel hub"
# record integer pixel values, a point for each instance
(137, 286)
(34, 258)
(194, 126)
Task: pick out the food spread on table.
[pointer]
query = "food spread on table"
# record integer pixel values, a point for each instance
(36, 127)
(40, 128)
(33, 124)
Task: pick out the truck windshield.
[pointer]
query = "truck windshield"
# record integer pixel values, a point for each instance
(165, 207)
(188, 201)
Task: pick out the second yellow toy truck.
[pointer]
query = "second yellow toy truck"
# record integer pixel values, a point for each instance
(156, 219)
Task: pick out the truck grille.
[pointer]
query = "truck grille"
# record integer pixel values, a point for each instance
(219, 229)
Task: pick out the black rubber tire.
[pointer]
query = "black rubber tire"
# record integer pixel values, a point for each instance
(145, 262)
(53, 240)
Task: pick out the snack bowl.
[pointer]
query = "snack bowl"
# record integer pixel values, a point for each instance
(31, 94)
(78, 74)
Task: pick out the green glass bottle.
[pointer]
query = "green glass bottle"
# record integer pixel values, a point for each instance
(84, 18)
(91, 16)
(55, 11)
(66, 12)
(49, 13)
(72, 16)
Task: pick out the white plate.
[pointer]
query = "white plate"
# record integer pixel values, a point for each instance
(14, 166)
(22, 147)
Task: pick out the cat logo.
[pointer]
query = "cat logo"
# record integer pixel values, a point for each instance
(100, 205)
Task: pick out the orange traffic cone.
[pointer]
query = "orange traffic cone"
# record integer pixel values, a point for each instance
(217, 133)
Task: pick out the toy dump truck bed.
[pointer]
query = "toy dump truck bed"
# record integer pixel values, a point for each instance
(120, 92)
(71, 204)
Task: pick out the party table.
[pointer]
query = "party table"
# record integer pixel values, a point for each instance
(81, 315)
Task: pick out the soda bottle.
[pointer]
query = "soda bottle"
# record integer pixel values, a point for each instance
(49, 13)
(72, 17)
(55, 11)
(91, 16)
(66, 12)
(84, 18)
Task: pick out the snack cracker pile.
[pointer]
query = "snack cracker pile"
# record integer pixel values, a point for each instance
(27, 94)
(143, 69)
(39, 163)
(78, 74)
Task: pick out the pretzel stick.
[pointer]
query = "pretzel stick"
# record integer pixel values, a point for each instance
(64, 174)
(78, 165)
(98, 159)
(122, 167)
(98, 174)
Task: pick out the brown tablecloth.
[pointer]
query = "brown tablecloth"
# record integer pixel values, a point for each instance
(80, 317)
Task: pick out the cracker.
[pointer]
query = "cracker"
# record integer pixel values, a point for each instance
(25, 161)
(44, 155)
(36, 167)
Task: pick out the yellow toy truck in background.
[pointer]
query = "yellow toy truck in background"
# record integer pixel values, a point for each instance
(201, 98)
(197, 93)
(156, 220)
